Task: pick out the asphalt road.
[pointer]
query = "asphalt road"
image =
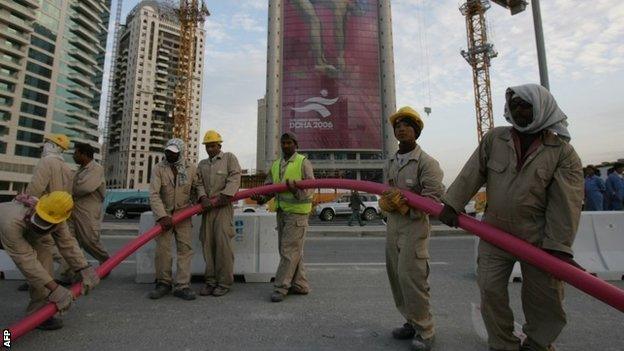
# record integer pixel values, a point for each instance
(350, 308)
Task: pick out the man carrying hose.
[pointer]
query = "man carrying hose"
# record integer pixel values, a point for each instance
(407, 238)
(25, 224)
(534, 186)
(293, 207)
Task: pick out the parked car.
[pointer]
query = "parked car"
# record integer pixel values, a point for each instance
(242, 206)
(129, 207)
(328, 210)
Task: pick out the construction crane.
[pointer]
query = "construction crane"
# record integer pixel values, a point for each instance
(191, 14)
(478, 55)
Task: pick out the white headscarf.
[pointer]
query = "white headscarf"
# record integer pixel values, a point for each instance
(546, 113)
(180, 164)
(50, 149)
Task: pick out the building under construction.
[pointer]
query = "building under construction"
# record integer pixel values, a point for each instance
(146, 74)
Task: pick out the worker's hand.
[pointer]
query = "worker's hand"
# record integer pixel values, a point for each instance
(89, 280)
(205, 203)
(385, 202)
(400, 202)
(166, 223)
(292, 186)
(566, 257)
(260, 199)
(223, 200)
(449, 216)
(62, 298)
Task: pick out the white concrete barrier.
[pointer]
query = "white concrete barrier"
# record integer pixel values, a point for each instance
(255, 245)
(598, 247)
(9, 269)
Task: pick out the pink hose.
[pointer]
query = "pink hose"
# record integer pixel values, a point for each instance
(526, 252)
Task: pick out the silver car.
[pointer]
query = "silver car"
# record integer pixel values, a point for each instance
(328, 210)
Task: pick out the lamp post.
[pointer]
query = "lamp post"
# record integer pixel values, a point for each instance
(517, 6)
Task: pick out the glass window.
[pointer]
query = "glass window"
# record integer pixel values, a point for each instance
(3, 146)
(370, 156)
(29, 136)
(33, 110)
(41, 57)
(28, 151)
(38, 69)
(45, 32)
(4, 130)
(36, 82)
(4, 185)
(40, 43)
(31, 123)
(48, 21)
(51, 10)
(35, 96)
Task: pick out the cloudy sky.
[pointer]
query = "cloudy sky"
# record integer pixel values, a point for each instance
(585, 51)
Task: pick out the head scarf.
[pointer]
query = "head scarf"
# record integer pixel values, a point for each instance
(180, 164)
(546, 113)
(50, 149)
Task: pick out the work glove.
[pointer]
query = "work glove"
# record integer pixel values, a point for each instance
(205, 202)
(223, 200)
(400, 202)
(385, 202)
(566, 257)
(89, 280)
(291, 186)
(260, 199)
(62, 298)
(165, 222)
(449, 216)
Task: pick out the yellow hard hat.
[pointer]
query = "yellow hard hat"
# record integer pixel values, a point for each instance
(410, 113)
(55, 207)
(59, 139)
(212, 136)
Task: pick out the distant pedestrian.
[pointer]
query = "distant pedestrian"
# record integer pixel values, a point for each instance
(615, 188)
(355, 203)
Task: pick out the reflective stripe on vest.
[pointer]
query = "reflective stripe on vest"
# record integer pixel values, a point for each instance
(286, 200)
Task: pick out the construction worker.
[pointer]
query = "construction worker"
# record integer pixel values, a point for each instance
(171, 189)
(293, 208)
(220, 174)
(594, 190)
(25, 221)
(89, 190)
(407, 238)
(50, 174)
(615, 188)
(534, 187)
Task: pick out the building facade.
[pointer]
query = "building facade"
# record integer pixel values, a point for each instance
(51, 68)
(330, 79)
(141, 119)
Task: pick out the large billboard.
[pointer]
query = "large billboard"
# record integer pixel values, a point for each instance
(330, 79)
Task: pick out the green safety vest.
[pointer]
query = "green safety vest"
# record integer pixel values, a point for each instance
(286, 200)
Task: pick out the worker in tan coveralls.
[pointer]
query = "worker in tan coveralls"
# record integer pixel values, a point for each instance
(25, 221)
(220, 175)
(407, 239)
(173, 185)
(50, 174)
(534, 183)
(88, 191)
(293, 208)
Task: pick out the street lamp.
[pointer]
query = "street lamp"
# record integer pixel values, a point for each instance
(517, 6)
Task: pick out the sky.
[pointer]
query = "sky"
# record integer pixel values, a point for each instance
(585, 54)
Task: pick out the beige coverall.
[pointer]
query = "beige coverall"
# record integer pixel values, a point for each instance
(407, 240)
(291, 232)
(167, 197)
(23, 247)
(88, 192)
(539, 202)
(219, 175)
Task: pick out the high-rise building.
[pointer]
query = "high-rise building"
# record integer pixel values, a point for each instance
(141, 119)
(330, 79)
(51, 63)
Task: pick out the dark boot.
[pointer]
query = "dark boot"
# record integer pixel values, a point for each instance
(405, 332)
(185, 294)
(160, 291)
(530, 345)
(277, 296)
(420, 344)
(52, 323)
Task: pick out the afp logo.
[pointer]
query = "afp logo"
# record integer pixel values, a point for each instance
(6, 338)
